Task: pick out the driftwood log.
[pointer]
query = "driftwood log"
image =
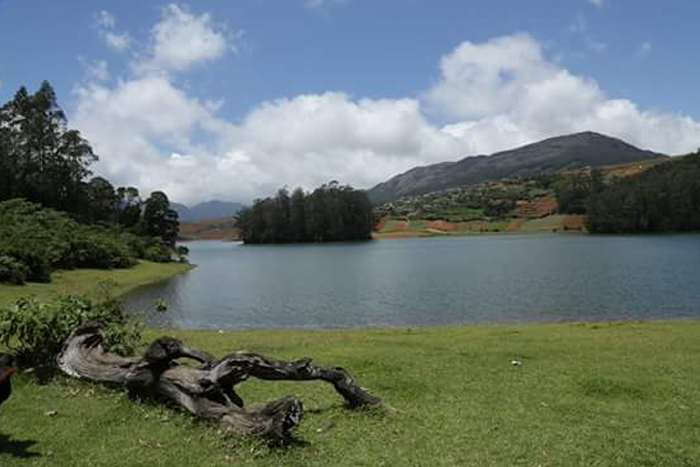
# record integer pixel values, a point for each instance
(206, 391)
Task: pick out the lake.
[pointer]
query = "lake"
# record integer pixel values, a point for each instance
(432, 281)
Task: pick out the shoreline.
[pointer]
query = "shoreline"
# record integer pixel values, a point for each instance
(401, 329)
(424, 234)
(88, 281)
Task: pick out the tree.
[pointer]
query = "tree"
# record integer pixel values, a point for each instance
(663, 198)
(128, 206)
(40, 158)
(332, 212)
(159, 220)
(102, 200)
(297, 216)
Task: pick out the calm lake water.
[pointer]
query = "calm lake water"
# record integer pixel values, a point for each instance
(458, 280)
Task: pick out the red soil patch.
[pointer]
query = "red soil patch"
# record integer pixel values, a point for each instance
(573, 222)
(381, 224)
(401, 234)
(540, 207)
(209, 230)
(441, 225)
(515, 224)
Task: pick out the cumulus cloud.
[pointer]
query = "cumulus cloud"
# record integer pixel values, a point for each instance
(149, 128)
(182, 40)
(479, 80)
(154, 133)
(506, 90)
(107, 28)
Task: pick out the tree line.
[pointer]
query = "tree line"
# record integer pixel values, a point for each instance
(663, 198)
(47, 164)
(331, 213)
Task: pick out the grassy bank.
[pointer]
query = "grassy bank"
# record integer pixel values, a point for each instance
(613, 394)
(82, 281)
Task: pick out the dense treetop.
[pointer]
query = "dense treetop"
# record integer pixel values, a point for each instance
(332, 212)
(664, 198)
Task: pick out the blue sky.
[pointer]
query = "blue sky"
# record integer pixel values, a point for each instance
(233, 99)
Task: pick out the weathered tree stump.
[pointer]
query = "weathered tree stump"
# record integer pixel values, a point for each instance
(206, 391)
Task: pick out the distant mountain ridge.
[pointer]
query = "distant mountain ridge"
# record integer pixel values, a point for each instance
(205, 211)
(567, 152)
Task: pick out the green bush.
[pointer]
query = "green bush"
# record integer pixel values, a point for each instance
(36, 331)
(43, 240)
(149, 248)
(12, 271)
(157, 253)
(182, 252)
(35, 264)
(100, 252)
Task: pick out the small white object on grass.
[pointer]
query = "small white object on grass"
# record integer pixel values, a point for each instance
(516, 363)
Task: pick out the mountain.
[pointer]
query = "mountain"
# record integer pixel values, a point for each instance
(550, 155)
(206, 210)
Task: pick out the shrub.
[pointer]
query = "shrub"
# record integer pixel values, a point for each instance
(44, 240)
(158, 253)
(12, 271)
(36, 331)
(34, 262)
(100, 252)
(182, 252)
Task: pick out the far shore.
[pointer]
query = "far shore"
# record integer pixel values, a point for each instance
(390, 228)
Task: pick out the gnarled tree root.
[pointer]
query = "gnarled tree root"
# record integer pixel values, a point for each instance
(206, 391)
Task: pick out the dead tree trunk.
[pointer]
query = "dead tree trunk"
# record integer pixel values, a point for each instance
(206, 391)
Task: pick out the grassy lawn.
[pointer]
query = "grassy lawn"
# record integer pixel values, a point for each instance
(599, 394)
(82, 281)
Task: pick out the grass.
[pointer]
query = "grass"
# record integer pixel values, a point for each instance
(545, 224)
(460, 214)
(83, 281)
(599, 394)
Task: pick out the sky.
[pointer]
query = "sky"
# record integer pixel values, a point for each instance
(232, 100)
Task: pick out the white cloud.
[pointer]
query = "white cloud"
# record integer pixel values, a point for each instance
(596, 45)
(644, 49)
(146, 131)
(322, 4)
(182, 40)
(106, 20)
(106, 26)
(152, 133)
(579, 25)
(506, 91)
(479, 80)
(95, 70)
(597, 3)
(117, 41)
